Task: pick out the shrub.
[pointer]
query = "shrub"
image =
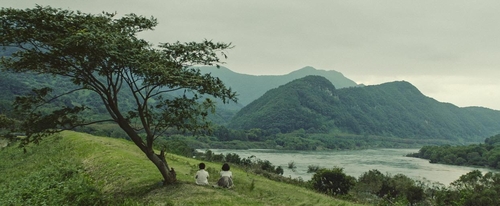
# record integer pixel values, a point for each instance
(371, 181)
(279, 170)
(266, 165)
(312, 168)
(332, 181)
(233, 158)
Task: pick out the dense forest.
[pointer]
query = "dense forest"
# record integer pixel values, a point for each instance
(482, 155)
(395, 109)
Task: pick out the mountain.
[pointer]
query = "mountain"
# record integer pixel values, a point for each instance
(395, 109)
(251, 87)
(248, 87)
(10, 88)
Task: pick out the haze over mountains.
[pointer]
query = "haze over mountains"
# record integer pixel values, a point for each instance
(251, 87)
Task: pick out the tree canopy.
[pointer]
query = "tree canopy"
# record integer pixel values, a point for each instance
(481, 155)
(101, 54)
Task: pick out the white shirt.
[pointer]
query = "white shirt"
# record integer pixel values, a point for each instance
(202, 177)
(226, 174)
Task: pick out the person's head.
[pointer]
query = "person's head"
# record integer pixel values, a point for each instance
(225, 167)
(201, 166)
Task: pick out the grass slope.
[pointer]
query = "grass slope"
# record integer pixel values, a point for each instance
(116, 170)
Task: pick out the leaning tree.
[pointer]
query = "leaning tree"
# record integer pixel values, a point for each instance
(101, 53)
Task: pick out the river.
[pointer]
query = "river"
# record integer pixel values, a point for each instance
(357, 162)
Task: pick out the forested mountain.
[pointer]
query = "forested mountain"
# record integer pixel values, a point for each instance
(9, 88)
(395, 109)
(251, 87)
(325, 103)
(248, 87)
(16, 84)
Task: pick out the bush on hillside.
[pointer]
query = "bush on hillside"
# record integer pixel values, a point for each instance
(472, 189)
(373, 186)
(313, 168)
(332, 181)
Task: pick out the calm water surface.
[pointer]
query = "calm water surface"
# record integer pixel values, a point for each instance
(355, 163)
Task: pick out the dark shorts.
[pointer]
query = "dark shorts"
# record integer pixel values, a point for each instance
(225, 182)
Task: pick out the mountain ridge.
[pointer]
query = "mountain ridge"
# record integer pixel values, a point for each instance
(396, 109)
(250, 87)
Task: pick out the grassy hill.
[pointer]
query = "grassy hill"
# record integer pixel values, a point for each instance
(80, 169)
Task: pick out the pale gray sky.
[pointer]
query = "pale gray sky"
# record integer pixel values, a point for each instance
(448, 49)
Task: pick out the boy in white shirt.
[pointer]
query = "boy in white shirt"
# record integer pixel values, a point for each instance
(202, 175)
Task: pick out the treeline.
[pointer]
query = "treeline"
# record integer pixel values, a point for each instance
(224, 138)
(374, 187)
(301, 139)
(482, 155)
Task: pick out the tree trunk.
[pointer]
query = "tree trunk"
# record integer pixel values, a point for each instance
(160, 162)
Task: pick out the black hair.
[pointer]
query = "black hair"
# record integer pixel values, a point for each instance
(225, 167)
(201, 166)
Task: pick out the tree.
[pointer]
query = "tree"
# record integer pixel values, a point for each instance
(332, 181)
(371, 181)
(4, 121)
(472, 188)
(102, 54)
(6, 126)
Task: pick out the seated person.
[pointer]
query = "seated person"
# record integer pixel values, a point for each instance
(201, 175)
(226, 177)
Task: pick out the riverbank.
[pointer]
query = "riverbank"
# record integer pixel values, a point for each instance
(357, 162)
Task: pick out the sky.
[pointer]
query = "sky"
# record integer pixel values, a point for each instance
(448, 49)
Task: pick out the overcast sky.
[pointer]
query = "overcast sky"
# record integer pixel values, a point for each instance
(448, 49)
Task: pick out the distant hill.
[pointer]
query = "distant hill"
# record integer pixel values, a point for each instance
(10, 88)
(248, 87)
(394, 109)
(251, 87)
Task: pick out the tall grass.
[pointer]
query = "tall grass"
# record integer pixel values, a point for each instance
(80, 169)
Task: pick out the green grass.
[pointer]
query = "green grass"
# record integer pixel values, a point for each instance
(114, 171)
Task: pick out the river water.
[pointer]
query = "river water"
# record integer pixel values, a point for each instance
(357, 162)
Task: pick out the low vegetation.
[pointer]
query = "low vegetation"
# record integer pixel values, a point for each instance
(81, 169)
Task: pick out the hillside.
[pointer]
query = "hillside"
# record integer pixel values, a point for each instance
(10, 88)
(303, 103)
(251, 87)
(395, 109)
(248, 87)
(81, 169)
